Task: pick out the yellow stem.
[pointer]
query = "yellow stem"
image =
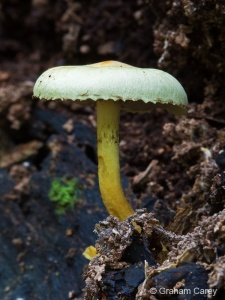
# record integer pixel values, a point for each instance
(108, 115)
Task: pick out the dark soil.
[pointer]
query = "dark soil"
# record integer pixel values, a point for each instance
(173, 167)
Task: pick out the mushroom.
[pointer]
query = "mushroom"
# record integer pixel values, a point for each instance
(113, 86)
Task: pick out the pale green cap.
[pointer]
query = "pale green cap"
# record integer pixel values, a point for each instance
(139, 90)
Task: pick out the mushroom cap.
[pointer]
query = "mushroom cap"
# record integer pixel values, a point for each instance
(138, 90)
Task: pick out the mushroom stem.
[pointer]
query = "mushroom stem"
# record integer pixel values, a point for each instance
(108, 115)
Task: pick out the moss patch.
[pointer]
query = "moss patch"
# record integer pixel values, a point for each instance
(64, 193)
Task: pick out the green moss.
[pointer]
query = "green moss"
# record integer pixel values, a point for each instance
(64, 193)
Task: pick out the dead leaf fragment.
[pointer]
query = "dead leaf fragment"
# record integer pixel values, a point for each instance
(20, 153)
